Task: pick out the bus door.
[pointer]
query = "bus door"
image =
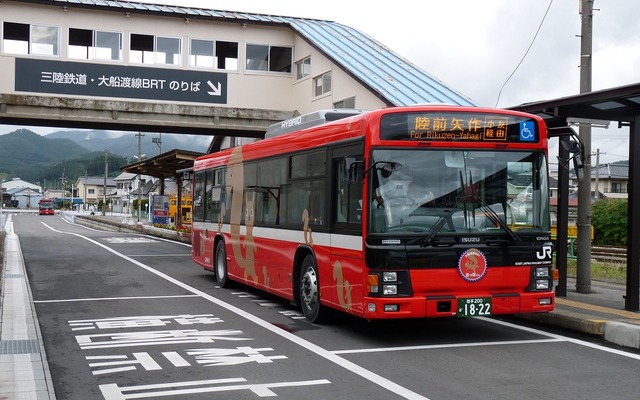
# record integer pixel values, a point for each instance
(346, 233)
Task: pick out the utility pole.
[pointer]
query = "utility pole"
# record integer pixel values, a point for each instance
(158, 141)
(1, 204)
(140, 136)
(62, 182)
(597, 189)
(84, 200)
(583, 275)
(104, 189)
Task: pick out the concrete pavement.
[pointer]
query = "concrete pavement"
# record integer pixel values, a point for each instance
(24, 372)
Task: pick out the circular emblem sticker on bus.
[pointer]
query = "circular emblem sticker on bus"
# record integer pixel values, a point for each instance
(472, 265)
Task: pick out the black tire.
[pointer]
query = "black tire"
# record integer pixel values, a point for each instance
(220, 266)
(310, 291)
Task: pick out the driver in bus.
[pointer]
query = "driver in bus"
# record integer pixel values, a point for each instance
(402, 189)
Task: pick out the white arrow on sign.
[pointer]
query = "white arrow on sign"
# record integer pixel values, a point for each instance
(216, 90)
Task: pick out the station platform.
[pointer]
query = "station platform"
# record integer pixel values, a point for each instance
(24, 372)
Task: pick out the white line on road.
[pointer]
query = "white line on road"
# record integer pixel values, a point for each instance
(328, 355)
(116, 298)
(565, 338)
(446, 346)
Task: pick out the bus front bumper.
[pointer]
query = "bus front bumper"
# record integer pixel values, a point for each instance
(468, 305)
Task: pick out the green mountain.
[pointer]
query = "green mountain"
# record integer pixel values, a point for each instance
(125, 144)
(38, 159)
(24, 148)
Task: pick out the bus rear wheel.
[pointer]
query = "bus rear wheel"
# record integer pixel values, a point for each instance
(310, 291)
(220, 266)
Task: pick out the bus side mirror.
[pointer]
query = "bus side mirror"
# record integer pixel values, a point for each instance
(576, 148)
(350, 170)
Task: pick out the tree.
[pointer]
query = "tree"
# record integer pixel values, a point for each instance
(609, 220)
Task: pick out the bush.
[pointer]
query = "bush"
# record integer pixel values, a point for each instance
(609, 220)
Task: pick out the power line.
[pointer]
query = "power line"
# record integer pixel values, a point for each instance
(525, 54)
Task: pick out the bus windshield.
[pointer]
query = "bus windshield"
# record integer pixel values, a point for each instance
(440, 192)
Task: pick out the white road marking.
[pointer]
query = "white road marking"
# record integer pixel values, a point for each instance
(326, 354)
(446, 346)
(565, 338)
(114, 392)
(128, 240)
(116, 298)
(334, 356)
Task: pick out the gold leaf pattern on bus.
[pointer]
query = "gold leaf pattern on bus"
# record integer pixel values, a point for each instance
(202, 242)
(249, 243)
(308, 238)
(265, 274)
(221, 215)
(343, 287)
(235, 178)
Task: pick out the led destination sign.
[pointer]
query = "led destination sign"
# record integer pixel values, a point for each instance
(458, 127)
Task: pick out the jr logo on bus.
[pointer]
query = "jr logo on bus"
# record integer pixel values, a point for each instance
(472, 265)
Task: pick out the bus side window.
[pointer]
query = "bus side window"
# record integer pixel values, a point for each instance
(348, 196)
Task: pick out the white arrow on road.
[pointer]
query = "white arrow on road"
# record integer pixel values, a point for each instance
(216, 90)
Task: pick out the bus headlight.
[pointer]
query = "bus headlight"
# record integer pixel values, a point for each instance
(389, 290)
(542, 272)
(389, 276)
(542, 284)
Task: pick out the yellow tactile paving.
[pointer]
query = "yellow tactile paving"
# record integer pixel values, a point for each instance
(606, 310)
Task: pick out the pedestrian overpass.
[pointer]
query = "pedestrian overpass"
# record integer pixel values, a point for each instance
(121, 65)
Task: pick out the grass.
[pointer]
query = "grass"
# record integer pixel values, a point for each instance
(601, 271)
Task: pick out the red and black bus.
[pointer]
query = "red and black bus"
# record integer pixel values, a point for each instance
(407, 212)
(46, 206)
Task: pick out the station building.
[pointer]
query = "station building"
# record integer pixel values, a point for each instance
(144, 67)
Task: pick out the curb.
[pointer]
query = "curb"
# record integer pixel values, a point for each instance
(574, 321)
(622, 334)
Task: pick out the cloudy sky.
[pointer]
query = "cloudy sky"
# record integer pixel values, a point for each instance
(474, 46)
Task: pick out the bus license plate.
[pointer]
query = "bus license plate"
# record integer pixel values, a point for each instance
(476, 307)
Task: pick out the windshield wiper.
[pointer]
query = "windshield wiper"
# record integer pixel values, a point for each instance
(493, 216)
(426, 241)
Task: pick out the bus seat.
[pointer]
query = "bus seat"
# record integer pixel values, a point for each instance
(378, 220)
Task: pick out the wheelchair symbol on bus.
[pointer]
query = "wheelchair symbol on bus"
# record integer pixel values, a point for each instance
(526, 131)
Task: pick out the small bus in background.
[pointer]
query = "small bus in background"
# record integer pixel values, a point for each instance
(46, 206)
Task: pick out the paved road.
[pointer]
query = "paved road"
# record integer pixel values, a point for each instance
(127, 316)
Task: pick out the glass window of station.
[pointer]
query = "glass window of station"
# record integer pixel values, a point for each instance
(41, 40)
(88, 44)
(151, 49)
(216, 54)
(303, 68)
(269, 58)
(322, 84)
(148, 49)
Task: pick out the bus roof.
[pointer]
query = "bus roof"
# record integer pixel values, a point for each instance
(343, 129)
(309, 120)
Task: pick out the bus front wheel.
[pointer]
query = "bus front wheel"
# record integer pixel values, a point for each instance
(310, 291)
(221, 265)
